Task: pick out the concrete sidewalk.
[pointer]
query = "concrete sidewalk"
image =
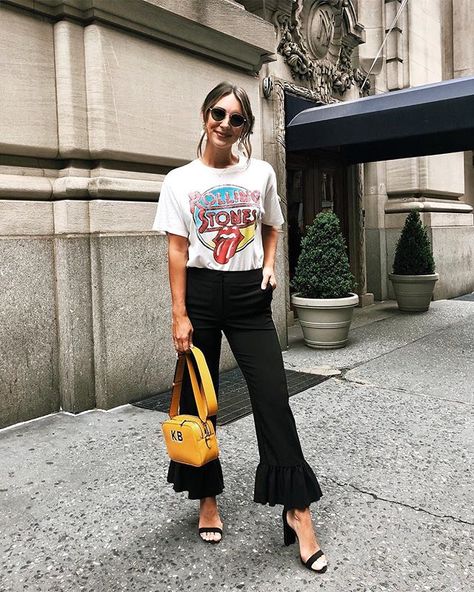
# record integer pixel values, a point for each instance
(85, 507)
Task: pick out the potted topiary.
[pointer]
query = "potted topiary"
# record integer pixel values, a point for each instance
(413, 276)
(324, 299)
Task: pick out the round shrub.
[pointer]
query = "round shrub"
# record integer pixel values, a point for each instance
(323, 268)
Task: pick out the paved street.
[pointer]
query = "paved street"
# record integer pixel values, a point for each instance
(85, 507)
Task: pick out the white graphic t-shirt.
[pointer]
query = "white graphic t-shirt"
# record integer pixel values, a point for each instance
(220, 212)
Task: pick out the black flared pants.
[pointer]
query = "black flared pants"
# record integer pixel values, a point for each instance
(234, 303)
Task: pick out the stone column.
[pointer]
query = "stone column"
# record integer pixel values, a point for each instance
(374, 16)
(463, 47)
(366, 297)
(28, 121)
(273, 120)
(463, 65)
(375, 197)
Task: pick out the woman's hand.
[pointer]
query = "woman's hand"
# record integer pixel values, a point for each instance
(268, 276)
(182, 333)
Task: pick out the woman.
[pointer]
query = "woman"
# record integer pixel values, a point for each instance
(221, 213)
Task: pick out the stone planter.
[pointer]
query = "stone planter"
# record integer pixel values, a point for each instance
(325, 321)
(413, 292)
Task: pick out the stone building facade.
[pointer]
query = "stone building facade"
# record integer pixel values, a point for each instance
(101, 98)
(432, 41)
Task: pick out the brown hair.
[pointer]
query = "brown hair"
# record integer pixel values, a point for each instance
(221, 90)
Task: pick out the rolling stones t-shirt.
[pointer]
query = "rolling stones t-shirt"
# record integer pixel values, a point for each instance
(220, 212)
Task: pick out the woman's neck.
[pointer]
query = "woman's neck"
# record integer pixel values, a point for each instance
(218, 159)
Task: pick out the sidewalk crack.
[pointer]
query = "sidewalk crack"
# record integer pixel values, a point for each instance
(395, 502)
(360, 382)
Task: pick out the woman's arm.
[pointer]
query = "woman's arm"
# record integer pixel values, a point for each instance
(182, 328)
(270, 240)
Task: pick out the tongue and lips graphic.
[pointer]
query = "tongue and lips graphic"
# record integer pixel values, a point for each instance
(227, 240)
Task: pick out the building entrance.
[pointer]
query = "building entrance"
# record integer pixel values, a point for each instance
(315, 183)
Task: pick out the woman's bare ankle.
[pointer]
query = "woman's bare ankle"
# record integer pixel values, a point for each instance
(208, 503)
(208, 509)
(209, 518)
(300, 520)
(300, 515)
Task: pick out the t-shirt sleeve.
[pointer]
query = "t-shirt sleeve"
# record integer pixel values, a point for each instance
(272, 211)
(169, 215)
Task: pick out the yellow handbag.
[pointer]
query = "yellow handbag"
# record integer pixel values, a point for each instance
(191, 439)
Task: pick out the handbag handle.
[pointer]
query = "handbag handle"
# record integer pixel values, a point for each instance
(204, 394)
(207, 385)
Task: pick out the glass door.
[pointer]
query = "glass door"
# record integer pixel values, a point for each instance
(315, 183)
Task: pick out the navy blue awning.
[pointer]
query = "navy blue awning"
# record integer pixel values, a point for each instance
(431, 119)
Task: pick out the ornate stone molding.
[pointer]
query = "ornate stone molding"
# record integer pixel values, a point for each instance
(279, 122)
(280, 87)
(307, 93)
(317, 41)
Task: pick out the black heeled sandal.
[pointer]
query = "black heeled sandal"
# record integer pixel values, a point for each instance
(290, 536)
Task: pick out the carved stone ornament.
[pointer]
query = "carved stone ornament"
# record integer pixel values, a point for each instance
(317, 41)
